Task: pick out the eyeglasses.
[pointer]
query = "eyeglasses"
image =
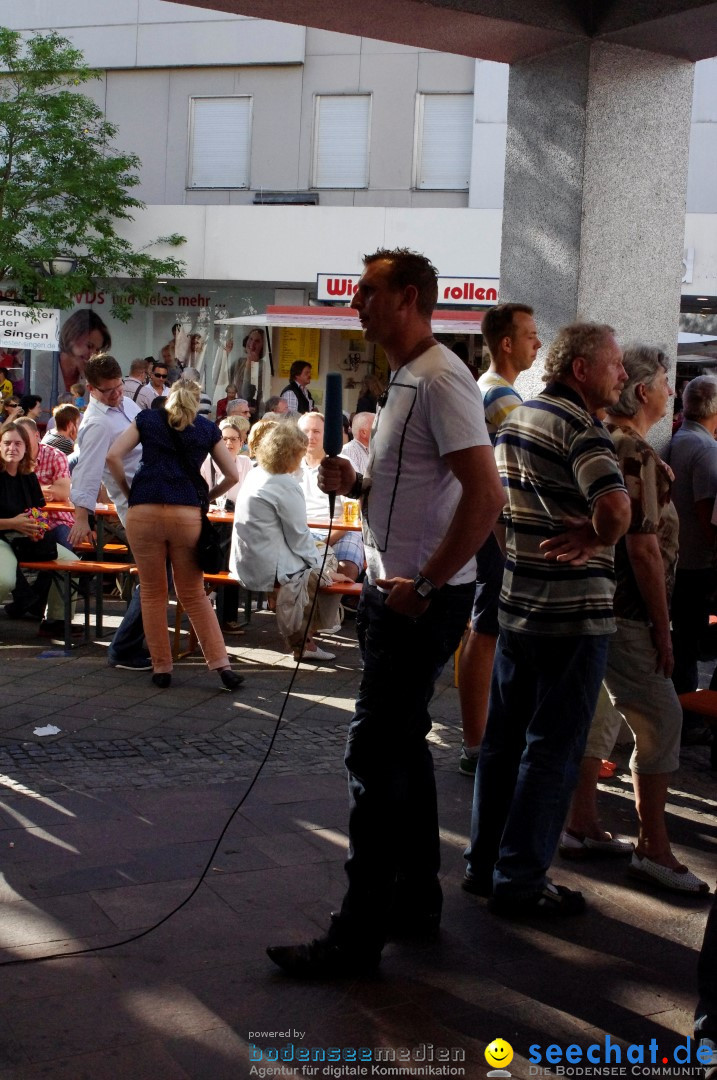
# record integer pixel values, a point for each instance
(158, 375)
(109, 389)
(231, 438)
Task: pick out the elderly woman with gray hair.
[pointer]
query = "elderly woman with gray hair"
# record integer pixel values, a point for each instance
(640, 659)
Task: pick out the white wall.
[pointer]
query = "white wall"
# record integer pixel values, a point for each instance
(294, 243)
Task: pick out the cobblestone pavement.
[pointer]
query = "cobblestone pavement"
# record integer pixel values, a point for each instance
(107, 827)
(119, 731)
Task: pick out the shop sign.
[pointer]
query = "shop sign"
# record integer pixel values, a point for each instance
(451, 290)
(20, 330)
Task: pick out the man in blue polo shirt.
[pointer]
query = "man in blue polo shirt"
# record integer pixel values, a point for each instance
(566, 506)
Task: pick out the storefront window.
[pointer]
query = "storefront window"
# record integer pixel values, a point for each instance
(178, 328)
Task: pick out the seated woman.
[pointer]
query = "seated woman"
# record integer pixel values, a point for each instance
(272, 546)
(231, 393)
(234, 432)
(640, 658)
(11, 408)
(22, 536)
(164, 521)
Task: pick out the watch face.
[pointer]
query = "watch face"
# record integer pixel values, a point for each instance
(423, 587)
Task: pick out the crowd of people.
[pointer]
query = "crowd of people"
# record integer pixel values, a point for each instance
(587, 558)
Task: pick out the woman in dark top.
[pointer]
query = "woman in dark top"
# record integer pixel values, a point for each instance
(21, 535)
(164, 520)
(371, 390)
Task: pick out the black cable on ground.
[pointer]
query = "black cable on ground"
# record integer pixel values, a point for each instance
(235, 811)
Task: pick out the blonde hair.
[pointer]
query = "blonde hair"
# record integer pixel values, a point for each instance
(183, 403)
(239, 423)
(282, 448)
(260, 430)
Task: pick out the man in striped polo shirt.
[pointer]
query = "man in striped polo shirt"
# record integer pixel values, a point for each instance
(566, 506)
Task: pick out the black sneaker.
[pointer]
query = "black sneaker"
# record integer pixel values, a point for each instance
(321, 959)
(553, 901)
(135, 663)
(478, 886)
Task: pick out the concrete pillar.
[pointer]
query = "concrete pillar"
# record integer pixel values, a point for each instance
(595, 185)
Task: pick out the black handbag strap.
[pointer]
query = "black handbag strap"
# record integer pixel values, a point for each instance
(200, 485)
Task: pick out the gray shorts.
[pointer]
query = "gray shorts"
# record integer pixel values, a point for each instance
(643, 697)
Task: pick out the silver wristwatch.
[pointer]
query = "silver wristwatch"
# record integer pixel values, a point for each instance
(424, 587)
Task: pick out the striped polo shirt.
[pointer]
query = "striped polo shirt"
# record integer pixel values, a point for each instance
(555, 461)
(499, 399)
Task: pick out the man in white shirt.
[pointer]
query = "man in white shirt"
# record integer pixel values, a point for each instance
(431, 495)
(347, 545)
(357, 450)
(108, 414)
(296, 393)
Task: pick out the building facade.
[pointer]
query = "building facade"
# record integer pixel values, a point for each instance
(283, 153)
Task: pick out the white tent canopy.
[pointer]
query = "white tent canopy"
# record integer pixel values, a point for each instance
(343, 318)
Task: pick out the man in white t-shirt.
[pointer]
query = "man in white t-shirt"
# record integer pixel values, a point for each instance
(430, 495)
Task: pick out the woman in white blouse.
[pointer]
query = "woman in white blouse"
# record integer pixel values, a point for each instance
(271, 543)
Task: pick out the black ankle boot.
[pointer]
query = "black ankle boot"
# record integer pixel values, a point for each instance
(162, 679)
(230, 679)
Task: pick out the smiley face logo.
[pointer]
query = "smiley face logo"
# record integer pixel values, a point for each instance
(499, 1053)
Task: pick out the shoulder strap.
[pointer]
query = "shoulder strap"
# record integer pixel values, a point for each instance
(136, 393)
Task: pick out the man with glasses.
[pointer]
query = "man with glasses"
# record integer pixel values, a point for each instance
(108, 414)
(240, 407)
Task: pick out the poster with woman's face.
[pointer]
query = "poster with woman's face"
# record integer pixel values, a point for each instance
(82, 335)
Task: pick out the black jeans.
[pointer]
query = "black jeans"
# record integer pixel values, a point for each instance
(393, 820)
(692, 603)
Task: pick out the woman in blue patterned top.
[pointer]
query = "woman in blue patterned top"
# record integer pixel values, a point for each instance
(164, 521)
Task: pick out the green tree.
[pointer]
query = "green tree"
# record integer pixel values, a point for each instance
(63, 186)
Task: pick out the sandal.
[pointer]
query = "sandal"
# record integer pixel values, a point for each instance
(553, 901)
(682, 880)
(575, 846)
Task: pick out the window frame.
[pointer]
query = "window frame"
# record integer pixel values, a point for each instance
(315, 142)
(249, 98)
(418, 141)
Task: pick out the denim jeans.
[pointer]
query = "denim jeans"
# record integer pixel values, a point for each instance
(393, 819)
(128, 641)
(61, 535)
(543, 696)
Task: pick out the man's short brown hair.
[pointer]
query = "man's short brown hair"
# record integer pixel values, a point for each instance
(498, 323)
(100, 367)
(410, 268)
(66, 415)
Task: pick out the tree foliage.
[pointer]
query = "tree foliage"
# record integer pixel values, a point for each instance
(63, 186)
